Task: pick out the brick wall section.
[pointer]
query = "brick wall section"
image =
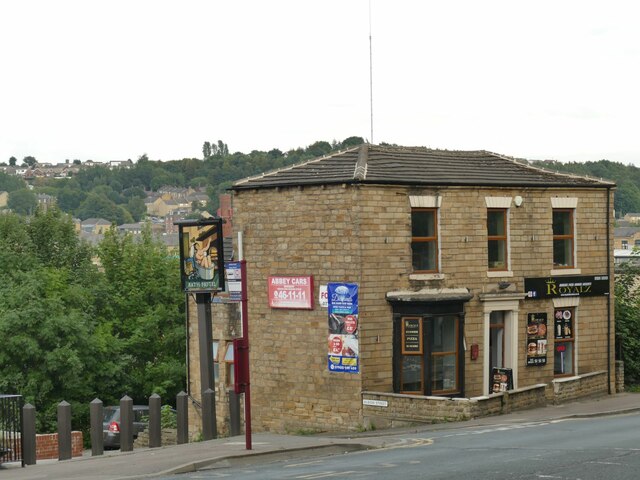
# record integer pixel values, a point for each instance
(47, 445)
(362, 234)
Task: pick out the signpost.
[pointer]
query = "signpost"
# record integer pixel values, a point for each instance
(202, 273)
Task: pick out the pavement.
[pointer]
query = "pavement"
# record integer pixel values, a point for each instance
(148, 463)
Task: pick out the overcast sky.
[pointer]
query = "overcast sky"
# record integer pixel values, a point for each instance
(111, 80)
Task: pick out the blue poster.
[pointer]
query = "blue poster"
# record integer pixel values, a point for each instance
(343, 327)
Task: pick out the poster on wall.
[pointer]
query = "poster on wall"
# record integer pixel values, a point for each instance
(294, 292)
(537, 339)
(501, 380)
(343, 345)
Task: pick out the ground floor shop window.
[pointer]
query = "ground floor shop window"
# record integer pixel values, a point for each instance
(428, 354)
(564, 347)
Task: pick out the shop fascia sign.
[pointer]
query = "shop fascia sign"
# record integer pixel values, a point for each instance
(566, 286)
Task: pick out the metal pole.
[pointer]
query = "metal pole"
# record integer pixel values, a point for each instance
(245, 334)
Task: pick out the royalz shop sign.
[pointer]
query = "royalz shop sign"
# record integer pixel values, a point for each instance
(566, 286)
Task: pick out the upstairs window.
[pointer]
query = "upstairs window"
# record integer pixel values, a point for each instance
(424, 239)
(563, 238)
(497, 238)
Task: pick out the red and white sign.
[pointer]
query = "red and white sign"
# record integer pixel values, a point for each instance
(295, 292)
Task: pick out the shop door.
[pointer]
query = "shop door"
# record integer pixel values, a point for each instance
(496, 343)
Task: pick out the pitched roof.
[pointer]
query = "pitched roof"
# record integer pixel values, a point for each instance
(374, 164)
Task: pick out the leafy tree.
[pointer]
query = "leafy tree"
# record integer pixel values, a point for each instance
(144, 307)
(98, 206)
(23, 202)
(319, 149)
(137, 208)
(627, 308)
(206, 150)
(51, 347)
(69, 199)
(13, 161)
(352, 142)
(10, 183)
(29, 160)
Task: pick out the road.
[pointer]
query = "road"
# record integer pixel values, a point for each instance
(579, 449)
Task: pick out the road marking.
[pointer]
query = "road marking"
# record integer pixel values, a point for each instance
(293, 465)
(329, 474)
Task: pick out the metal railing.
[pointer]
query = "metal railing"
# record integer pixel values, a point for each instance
(11, 428)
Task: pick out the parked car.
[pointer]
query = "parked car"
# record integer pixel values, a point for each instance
(111, 424)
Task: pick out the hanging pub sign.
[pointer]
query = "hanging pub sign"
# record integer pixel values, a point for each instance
(201, 255)
(343, 344)
(537, 339)
(566, 286)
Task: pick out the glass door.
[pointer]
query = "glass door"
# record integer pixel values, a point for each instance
(496, 343)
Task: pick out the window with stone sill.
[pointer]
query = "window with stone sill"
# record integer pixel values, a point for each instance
(563, 238)
(424, 240)
(497, 239)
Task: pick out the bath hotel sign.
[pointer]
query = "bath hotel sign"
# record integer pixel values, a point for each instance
(566, 286)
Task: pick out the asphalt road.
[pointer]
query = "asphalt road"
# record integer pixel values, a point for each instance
(579, 449)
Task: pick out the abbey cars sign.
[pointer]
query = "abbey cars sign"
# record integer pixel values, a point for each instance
(566, 286)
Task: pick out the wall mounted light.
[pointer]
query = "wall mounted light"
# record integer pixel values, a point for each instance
(517, 200)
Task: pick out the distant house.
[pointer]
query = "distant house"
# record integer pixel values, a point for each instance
(97, 226)
(120, 163)
(4, 199)
(162, 207)
(632, 217)
(625, 238)
(45, 201)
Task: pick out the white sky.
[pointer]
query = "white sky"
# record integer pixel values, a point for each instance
(111, 80)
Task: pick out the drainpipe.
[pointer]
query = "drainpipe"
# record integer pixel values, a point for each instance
(610, 292)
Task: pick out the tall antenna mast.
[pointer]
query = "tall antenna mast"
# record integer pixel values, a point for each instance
(370, 73)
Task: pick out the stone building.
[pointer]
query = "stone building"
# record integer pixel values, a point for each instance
(478, 285)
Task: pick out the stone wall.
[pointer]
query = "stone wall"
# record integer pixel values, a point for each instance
(386, 410)
(619, 376)
(572, 388)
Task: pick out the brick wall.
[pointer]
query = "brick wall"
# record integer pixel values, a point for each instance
(47, 445)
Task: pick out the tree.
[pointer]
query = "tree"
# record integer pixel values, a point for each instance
(143, 306)
(627, 308)
(10, 183)
(51, 346)
(30, 161)
(23, 202)
(352, 142)
(137, 208)
(13, 161)
(319, 149)
(206, 150)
